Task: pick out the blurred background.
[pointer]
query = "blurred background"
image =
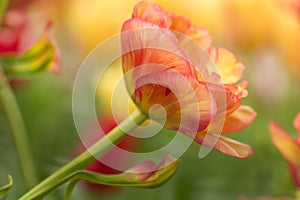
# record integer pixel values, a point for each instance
(264, 34)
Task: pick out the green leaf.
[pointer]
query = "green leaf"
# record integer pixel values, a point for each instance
(5, 189)
(42, 56)
(3, 4)
(143, 175)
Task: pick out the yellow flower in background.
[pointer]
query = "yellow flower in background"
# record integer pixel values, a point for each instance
(289, 147)
(231, 23)
(111, 91)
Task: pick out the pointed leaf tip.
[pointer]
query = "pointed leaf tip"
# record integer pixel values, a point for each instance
(5, 189)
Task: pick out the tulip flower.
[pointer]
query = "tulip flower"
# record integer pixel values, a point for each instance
(160, 70)
(20, 53)
(289, 147)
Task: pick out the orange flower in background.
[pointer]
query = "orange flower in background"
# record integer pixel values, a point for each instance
(289, 147)
(185, 89)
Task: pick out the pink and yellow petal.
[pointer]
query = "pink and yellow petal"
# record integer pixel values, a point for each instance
(289, 147)
(236, 121)
(154, 13)
(225, 145)
(296, 124)
(230, 69)
(295, 173)
(285, 143)
(196, 33)
(186, 101)
(239, 119)
(227, 101)
(145, 43)
(238, 90)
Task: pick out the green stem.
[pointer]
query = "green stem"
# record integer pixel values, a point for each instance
(298, 194)
(84, 159)
(19, 134)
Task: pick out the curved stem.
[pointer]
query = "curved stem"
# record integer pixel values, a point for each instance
(19, 134)
(84, 159)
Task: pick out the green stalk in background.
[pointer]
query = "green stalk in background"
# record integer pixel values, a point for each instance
(19, 134)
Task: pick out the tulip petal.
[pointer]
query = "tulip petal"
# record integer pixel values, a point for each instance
(145, 43)
(225, 145)
(229, 67)
(230, 116)
(238, 90)
(239, 119)
(285, 143)
(196, 33)
(227, 101)
(295, 173)
(296, 124)
(289, 148)
(154, 13)
(186, 101)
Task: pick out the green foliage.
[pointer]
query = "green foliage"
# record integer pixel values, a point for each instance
(3, 4)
